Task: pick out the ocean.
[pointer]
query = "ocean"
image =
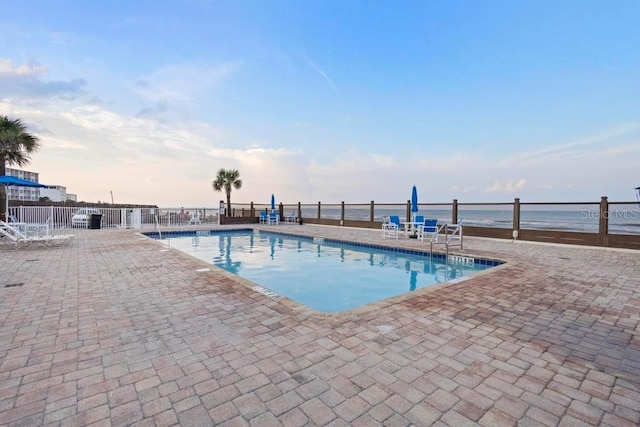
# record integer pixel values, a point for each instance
(582, 219)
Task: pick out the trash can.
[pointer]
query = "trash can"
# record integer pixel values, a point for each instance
(95, 220)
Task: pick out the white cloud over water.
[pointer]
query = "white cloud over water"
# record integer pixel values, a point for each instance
(507, 187)
(94, 148)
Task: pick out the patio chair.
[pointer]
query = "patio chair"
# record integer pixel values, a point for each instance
(17, 239)
(292, 219)
(428, 230)
(274, 218)
(31, 228)
(264, 218)
(391, 227)
(21, 226)
(195, 219)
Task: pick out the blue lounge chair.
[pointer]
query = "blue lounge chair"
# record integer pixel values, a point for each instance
(274, 218)
(264, 218)
(428, 230)
(391, 227)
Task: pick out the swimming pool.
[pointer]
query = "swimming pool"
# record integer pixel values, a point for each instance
(326, 275)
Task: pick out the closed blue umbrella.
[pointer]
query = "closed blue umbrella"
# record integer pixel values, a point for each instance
(638, 195)
(273, 202)
(414, 208)
(414, 200)
(413, 281)
(413, 276)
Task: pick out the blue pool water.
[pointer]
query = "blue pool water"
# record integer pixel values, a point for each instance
(327, 276)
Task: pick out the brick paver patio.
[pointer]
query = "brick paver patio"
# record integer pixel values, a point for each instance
(116, 330)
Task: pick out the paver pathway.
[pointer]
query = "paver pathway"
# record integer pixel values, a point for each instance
(114, 330)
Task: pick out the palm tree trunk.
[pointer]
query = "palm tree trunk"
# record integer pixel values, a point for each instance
(228, 204)
(3, 194)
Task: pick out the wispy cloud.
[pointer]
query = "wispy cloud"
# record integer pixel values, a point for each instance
(32, 69)
(565, 149)
(507, 187)
(28, 80)
(59, 39)
(152, 112)
(183, 82)
(322, 73)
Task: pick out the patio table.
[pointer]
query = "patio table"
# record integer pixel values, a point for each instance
(410, 226)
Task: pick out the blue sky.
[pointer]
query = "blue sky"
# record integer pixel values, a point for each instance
(328, 100)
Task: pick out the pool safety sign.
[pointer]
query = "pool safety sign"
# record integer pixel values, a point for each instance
(461, 260)
(267, 292)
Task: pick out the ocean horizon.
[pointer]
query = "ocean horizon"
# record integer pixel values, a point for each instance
(621, 221)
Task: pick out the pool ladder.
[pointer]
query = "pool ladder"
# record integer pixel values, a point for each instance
(157, 224)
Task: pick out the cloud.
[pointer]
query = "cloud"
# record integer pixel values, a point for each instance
(28, 81)
(152, 112)
(322, 73)
(144, 161)
(455, 189)
(508, 187)
(58, 38)
(182, 82)
(30, 69)
(565, 150)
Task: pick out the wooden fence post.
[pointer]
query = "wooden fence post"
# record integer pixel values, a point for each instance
(371, 216)
(318, 210)
(408, 210)
(454, 211)
(342, 213)
(603, 226)
(516, 214)
(300, 212)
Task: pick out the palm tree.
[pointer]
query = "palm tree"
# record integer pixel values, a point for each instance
(224, 181)
(16, 145)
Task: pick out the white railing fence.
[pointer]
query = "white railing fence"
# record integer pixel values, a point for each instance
(62, 217)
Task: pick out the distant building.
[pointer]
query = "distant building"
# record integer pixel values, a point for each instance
(23, 193)
(56, 193)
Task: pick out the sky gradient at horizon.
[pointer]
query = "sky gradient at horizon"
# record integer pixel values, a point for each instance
(327, 100)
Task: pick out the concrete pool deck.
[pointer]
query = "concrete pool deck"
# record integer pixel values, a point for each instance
(114, 329)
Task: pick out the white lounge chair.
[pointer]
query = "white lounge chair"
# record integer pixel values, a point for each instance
(195, 219)
(31, 228)
(15, 238)
(292, 219)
